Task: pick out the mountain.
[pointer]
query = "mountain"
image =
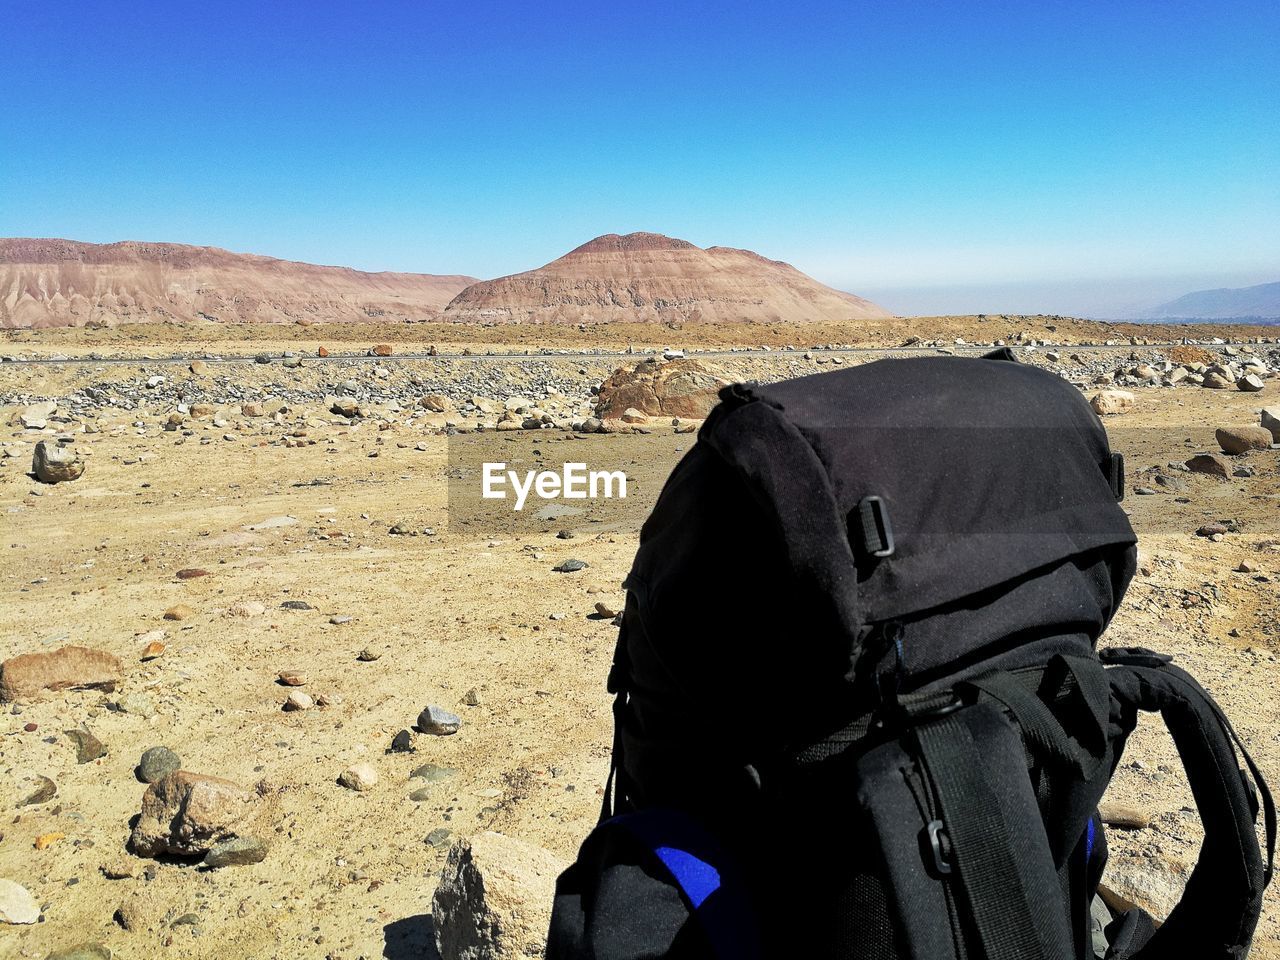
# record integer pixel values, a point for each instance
(59, 283)
(646, 277)
(1232, 303)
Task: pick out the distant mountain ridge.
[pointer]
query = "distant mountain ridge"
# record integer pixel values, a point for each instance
(652, 278)
(1260, 302)
(59, 283)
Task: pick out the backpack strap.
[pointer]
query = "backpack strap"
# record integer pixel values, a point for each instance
(1222, 900)
(1009, 900)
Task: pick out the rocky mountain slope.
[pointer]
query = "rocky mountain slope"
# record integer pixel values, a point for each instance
(648, 277)
(1260, 302)
(59, 283)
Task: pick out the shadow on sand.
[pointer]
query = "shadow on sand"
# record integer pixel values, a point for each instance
(412, 938)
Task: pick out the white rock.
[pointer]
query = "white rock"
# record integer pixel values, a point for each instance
(17, 905)
(359, 777)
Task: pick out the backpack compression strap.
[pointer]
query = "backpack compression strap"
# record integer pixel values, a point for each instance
(1220, 906)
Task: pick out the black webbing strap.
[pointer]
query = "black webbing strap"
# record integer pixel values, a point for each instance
(1040, 727)
(992, 885)
(1219, 909)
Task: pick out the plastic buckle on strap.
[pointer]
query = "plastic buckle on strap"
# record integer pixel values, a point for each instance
(1134, 657)
(877, 533)
(939, 845)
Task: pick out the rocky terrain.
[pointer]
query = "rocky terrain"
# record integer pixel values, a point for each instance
(56, 283)
(278, 695)
(650, 277)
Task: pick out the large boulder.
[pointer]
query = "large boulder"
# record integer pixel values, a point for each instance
(1235, 440)
(1270, 418)
(55, 464)
(494, 899)
(661, 388)
(187, 814)
(1110, 402)
(68, 668)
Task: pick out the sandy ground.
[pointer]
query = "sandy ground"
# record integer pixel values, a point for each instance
(466, 607)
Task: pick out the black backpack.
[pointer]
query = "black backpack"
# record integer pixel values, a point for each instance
(859, 709)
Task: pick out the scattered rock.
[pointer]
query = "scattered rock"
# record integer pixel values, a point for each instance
(437, 837)
(179, 612)
(152, 650)
(604, 610)
(17, 905)
(1270, 418)
(1250, 383)
(471, 698)
(187, 814)
(368, 655)
(1237, 440)
(55, 464)
(1111, 402)
(246, 609)
(438, 721)
(240, 852)
(45, 791)
(1210, 463)
(199, 368)
(69, 668)
(297, 700)
(1124, 816)
(296, 605)
(359, 777)
(82, 951)
(432, 773)
(1149, 882)
(1217, 381)
(570, 566)
(494, 899)
(382, 350)
(88, 747)
(46, 840)
(1213, 530)
(402, 742)
(191, 573)
(157, 763)
(292, 678)
(139, 704)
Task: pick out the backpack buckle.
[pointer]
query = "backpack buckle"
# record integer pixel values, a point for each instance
(940, 846)
(877, 532)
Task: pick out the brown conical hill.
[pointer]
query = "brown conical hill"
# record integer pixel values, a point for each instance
(61, 283)
(647, 277)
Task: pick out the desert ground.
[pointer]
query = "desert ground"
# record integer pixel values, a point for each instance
(408, 605)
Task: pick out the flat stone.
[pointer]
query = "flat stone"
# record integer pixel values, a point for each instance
(1210, 463)
(240, 852)
(179, 611)
(82, 951)
(1123, 815)
(68, 668)
(296, 605)
(17, 905)
(433, 773)
(292, 678)
(191, 573)
(570, 566)
(45, 791)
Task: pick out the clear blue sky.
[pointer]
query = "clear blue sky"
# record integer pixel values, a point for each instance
(882, 146)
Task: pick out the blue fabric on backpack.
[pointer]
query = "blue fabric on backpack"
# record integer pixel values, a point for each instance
(703, 871)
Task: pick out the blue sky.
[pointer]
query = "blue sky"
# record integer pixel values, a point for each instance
(996, 155)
